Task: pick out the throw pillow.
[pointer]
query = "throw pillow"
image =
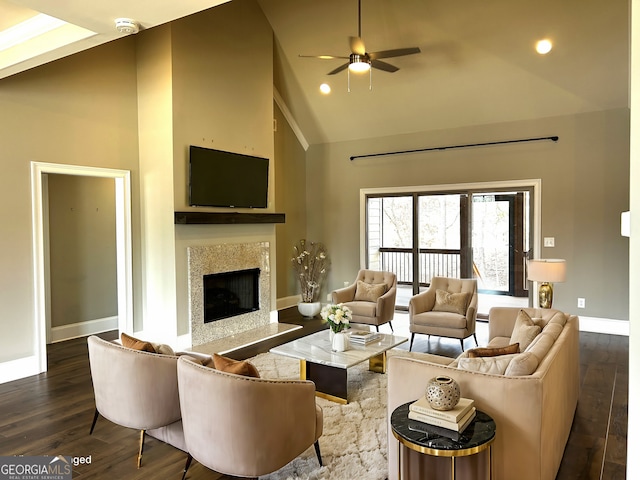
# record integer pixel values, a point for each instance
(369, 292)
(163, 348)
(524, 330)
(238, 367)
(136, 344)
(493, 352)
(451, 302)
(493, 365)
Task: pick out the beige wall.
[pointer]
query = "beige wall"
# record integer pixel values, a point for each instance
(82, 249)
(80, 110)
(584, 188)
(220, 101)
(290, 200)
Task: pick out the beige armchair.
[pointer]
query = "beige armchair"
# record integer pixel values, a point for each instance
(371, 298)
(445, 313)
(136, 389)
(245, 426)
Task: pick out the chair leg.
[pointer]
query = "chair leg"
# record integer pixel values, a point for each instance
(377, 328)
(141, 446)
(95, 419)
(391, 326)
(476, 339)
(462, 344)
(411, 343)
(186, 466)
(317, 447)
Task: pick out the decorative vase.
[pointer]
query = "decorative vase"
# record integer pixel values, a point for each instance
(443, 393)
(340, 342)
(309, 309)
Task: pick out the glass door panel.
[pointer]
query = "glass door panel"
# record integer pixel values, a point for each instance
(440, 236)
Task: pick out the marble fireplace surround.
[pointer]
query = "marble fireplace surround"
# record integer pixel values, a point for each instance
(220, 258)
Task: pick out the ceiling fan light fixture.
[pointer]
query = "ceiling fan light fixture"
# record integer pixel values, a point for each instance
(359, 63)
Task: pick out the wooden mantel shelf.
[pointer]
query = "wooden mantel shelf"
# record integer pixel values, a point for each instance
(210, 218)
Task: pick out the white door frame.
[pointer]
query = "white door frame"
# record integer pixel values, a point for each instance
(122, 180)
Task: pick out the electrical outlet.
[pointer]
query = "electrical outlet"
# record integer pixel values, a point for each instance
(581, 303)
(549, 241)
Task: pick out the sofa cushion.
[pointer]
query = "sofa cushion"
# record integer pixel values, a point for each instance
(369, 292)
(541, 345)
(493, 351)
(494, 365)
(524, 330)
(238, 367)
(523, 364)
(136, 344)
(362, 309)
(553, 329)
(451, 302)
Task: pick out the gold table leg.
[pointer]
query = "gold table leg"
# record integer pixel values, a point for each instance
(378, 363)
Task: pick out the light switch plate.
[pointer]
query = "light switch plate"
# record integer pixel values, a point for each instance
(549, 241)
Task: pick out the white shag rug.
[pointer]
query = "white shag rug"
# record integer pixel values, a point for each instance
(354, 440)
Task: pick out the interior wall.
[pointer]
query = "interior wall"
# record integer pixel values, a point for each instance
(584, 177)
(79, 110)
(155, 128)
(221, 101)
(290, 200)
(82, 249)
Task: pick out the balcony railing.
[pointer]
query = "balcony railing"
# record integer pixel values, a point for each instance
(434, 262)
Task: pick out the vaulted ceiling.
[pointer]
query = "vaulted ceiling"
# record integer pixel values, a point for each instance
(477, 63)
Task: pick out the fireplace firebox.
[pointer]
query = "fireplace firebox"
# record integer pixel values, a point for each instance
(229, 294)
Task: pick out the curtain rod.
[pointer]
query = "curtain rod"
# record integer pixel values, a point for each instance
(450, 147)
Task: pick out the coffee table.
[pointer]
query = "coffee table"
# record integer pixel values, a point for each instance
(328, 369)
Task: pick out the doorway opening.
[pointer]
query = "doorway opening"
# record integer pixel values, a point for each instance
(123, 246)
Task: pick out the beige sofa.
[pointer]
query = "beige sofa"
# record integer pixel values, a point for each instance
(533, 412)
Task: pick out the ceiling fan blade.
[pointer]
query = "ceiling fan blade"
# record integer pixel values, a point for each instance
(322, 57)
(339, 69)
(387, 67)
(357, 45)
(398, 52)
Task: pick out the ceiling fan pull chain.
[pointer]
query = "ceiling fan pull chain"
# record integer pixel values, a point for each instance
(370, 88)
(348, 81)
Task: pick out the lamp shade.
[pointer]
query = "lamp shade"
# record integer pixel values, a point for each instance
(547, 270)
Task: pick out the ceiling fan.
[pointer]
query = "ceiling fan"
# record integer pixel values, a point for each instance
(360, 60)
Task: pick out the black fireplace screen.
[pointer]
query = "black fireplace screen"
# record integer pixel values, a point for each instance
(230, 293)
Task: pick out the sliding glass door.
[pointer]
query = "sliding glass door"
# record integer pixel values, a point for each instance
(484, 235)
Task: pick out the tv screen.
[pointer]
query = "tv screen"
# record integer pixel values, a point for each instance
(225, 179)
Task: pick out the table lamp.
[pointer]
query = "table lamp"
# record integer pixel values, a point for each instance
(546, 272)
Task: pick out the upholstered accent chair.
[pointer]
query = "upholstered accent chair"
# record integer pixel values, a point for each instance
(245, 426)
(136, 389)
(447, 308)
(371, 297)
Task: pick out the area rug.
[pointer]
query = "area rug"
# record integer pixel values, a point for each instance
(354, 440)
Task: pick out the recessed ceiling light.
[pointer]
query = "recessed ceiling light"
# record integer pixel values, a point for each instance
(544, 46)
(325, 88)
(30, 28)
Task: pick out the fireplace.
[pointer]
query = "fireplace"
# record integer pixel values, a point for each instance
(217, 261)
(230, 293)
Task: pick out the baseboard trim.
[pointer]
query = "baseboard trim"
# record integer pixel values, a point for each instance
(83, 329)
(20, 368)
(286, 302)
(608, 326)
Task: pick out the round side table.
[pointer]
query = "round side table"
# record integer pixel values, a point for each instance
(477, 437)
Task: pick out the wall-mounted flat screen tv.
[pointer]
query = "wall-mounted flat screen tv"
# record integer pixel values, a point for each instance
(226, 179)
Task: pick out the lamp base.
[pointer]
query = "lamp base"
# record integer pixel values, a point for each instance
(545, 295)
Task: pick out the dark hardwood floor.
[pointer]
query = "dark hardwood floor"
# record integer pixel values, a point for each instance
(50, 414)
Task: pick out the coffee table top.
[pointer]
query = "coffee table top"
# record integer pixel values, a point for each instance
(316, 348)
